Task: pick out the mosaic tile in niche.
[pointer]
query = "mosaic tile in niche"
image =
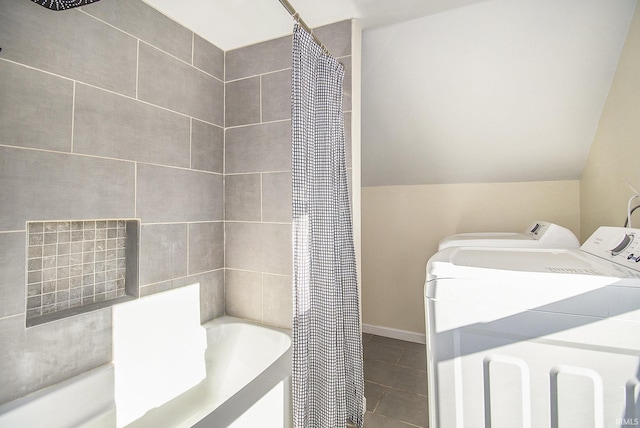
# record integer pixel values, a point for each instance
(77, 263)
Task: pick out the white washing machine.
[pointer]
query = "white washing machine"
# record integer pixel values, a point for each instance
(540, 234)
(531, 338)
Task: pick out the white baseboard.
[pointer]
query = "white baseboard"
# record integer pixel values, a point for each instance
(393, 333)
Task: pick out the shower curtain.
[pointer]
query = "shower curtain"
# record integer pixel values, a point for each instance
(328, 385)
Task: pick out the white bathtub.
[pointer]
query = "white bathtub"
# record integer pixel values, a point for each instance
(247, 384)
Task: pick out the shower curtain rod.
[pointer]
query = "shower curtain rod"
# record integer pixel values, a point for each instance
(300, 21)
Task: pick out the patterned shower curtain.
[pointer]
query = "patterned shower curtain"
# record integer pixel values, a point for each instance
(328, 385)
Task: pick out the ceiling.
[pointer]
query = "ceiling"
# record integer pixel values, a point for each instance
(499, 91)
(231, 24)
(457, 91)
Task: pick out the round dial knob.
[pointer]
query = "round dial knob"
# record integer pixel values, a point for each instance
(622, 243)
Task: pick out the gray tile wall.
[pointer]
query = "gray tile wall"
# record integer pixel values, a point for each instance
(258, 173)
(107, 111)
(113, 110)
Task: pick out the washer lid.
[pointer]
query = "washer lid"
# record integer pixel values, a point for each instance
(534, 260)
(539, 234)
(493, 283)
(489, 239)
(476, 262)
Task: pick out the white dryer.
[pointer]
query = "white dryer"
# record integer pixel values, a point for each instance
(539, 234)
(533, 338)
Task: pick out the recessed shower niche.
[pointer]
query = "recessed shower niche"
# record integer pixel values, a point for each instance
(75, 266)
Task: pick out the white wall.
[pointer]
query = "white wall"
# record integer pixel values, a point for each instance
(499, 91)
(614, 159)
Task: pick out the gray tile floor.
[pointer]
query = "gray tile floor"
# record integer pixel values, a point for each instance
(395, 383)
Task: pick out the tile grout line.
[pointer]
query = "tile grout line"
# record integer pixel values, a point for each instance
(260, 97)
(137, 68)
(193, 48)
(395, 388)
(264, 73)
(135, 190)
(112, 159)
(129, 97)
(150, 284)
(409, 424)
(188, 245)
(73, 114)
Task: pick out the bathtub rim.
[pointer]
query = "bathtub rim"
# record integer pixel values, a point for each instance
(241, 401)
(228, 319)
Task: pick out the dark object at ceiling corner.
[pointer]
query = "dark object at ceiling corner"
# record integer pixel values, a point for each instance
(62, 4)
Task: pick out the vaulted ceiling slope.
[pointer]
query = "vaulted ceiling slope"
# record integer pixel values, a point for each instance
(457, 91)
(500, 91)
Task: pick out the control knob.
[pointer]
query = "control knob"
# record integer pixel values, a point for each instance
(621, 244)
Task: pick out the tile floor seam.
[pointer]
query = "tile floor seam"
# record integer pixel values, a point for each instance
(377, 403)
(398, 420)
(395, 389)
(404, 367)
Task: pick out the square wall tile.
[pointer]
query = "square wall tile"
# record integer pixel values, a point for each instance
(211, 295)
(43, 119)
(243, 294)
(206, 247)
(242, 197)
(242, 102)
(277, 300)
(163, 252)
(277, 197)
(208, 57)
(207, 147)
(276, 96)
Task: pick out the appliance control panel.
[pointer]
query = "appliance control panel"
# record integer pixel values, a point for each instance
(537, 228)
(552, 235)
(620, 245)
